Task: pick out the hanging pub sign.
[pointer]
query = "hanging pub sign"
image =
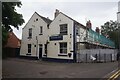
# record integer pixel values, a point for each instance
(56, 37)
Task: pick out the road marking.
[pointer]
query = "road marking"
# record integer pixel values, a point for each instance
(115, 75)
(106, 76)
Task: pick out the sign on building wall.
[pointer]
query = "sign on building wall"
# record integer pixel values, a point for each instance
(58, 37)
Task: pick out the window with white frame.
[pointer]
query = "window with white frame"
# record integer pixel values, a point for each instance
(63, 48)
(41, 30)
(63, 29)
(45, 49)
(78, 31)
(29, 48)
(30, 33)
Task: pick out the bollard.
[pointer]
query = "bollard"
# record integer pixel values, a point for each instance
(86, 57)
(99, 57)
(111, 57)
(104, 57)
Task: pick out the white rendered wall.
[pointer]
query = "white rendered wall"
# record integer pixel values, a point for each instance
(35, 25)
(53, 50)
(82, 35)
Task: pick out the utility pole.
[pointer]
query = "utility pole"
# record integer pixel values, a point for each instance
(118, 24)
(37, 47)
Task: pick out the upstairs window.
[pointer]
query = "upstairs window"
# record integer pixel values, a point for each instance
(29, 48)
(30, 33)
(41, 30)
(77, 32)
(63, 29)
(63, 48)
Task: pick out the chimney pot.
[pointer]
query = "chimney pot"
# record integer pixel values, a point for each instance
(97, 30)
(88, 24)
(56, 13)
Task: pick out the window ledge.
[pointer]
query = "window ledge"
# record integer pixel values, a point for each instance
(40, 34)
(63, 34)
(44, 55)
(28, 54)
(62, 55)
(29, 37)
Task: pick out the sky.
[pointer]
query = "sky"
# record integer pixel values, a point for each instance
(98, 12)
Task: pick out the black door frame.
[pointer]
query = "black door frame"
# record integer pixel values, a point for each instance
(40, 50)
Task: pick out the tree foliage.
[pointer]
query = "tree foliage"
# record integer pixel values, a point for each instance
(4, 36)
(10, 17)
(111, 29)
(108, 27)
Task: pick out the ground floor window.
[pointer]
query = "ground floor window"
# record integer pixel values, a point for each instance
(29, 48)
(63, 48)
(45, 48)
(40, 50)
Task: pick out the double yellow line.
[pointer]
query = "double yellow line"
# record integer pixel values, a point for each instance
(115, 75)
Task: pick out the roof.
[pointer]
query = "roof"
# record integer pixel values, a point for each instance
(13, 41)
(48, 21)
(74, 20)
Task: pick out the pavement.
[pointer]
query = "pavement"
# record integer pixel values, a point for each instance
(24, 68)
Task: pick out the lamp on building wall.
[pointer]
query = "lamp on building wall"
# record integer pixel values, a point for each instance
(70, 35)
(69, 54)
(47, 42)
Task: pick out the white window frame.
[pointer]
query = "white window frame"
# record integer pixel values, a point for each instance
(29, 48)
(78, 31)
(41, 30)
(64, 48)
(30, 33)
(63, 29)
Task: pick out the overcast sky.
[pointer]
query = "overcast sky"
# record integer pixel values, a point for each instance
(97, 12)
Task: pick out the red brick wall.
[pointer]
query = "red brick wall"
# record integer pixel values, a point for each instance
(13, 41)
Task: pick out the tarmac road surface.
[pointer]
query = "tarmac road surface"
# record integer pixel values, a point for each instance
(23, 68)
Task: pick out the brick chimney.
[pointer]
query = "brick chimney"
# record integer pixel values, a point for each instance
(88, 24)
(56, 13)
(97, 30)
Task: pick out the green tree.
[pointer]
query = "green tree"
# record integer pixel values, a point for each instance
(111, 29)
(10, 17)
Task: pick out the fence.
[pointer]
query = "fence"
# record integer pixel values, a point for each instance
(97, 55)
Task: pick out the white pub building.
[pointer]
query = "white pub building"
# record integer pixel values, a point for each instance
(59, 39)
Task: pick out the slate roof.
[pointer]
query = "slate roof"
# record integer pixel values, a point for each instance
(48, 21)
(74, 20)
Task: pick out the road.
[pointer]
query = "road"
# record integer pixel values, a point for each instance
(23, 68)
